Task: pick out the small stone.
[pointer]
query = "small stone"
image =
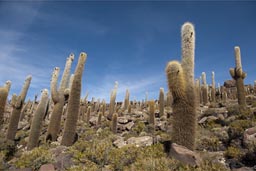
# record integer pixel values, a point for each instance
(202, 120)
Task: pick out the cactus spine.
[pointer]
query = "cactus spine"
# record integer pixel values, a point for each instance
(213, 88)
(161, 102)
(73, 103)
(181, 84)
(37, 120)
(15, 116)
(238, 75)
(3, 98)
(58, 99)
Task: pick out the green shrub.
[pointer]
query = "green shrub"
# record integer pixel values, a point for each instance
(34, 159)
(238, 127)
(233, 152)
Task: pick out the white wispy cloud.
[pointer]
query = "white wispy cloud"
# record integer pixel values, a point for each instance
(137, 86)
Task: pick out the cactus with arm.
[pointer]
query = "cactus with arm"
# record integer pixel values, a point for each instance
(73, 103)
(181, 84)
(15, 116)
(239, 75)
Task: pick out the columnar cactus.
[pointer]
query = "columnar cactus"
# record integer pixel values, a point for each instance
(204, 89)
(254, 87)
(126, 100)
(88, 115)
(213, 88)
(103, 107)
(129, 109)
(73, 103)
(151, 112)
(198, 92)
(238, 75)
(8, 85)
(112, 101)
(25, 109)
(181, 84)
(37, 121)
(58, 99)
(99, 119)
(3, 98)
(161, 102)
(114, 123)
(169, 99)
(15, 116)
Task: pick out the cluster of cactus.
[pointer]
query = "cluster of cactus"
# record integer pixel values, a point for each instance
(73, 103)
(239, 75)
(58, 99)
(180, 78)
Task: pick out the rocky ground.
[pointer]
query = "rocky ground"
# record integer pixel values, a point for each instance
(226, 140)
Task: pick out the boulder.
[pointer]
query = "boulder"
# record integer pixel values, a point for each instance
(140, 141)
(185, 155)
(230, 83)
(122, 120)
(119, 143)
(249, 137)
(47, 167)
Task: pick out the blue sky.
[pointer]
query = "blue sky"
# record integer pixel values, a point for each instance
(128, 42)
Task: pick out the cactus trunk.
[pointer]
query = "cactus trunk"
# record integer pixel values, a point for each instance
(15, 116)
(181, 84)
(73, 103)
(37, 121)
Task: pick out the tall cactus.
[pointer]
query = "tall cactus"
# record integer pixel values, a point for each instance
(254, 87)
(73, 103)
(16, 111)
(238, 75)
(114, 123)
(198, 92)
(181, 84)
(151, 104)
(112, 101)
(126, 100)
(58, 99)
(213, 92)
(161, 102)
(204, 89)
(3, 98)
(8, 85)
(37, 121)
